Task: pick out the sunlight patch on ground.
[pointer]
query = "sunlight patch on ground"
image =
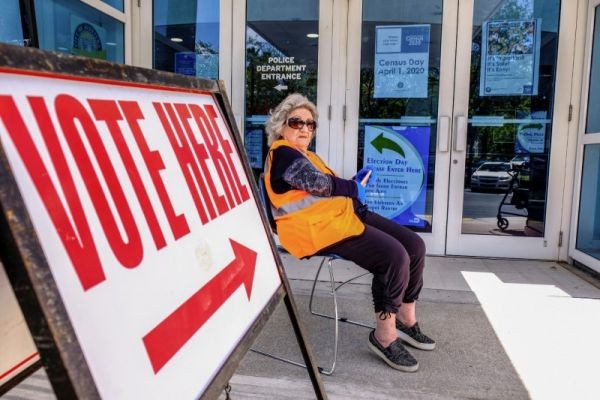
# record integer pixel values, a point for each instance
(550, 337)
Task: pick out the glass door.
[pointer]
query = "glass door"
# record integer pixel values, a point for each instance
(187, 37)
(283, 55)
(399, 101)
(504, 175)
(586, 224)
(452, 101)
(11, 25)
(94, 28)
(377, 71)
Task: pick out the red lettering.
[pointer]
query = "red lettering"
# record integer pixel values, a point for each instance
(154, 164)
(76, 237)
(213, 148)
(186, 160)
(71, 114)
(108, 111)
(201, 156)
(228, 151)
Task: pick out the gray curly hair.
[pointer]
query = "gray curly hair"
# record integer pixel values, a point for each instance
(278, 116)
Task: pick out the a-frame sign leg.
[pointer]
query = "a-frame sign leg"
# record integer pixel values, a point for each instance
(290, 305)
(305, 348)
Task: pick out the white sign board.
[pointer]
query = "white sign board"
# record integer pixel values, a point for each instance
(146, 218)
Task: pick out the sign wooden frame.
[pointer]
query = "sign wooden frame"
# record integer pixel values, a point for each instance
(18, 355)
(28, 268)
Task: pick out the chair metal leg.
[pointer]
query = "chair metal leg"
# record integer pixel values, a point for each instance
(286, 360)
(335, 316)
(336, 324)
(312, 291)
(327, 372)
(334, 290)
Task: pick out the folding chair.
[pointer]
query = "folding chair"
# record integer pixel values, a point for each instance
(327, 258)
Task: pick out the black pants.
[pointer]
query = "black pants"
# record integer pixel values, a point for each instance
(395, 256)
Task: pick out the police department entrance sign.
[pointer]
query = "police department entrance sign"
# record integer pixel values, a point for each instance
(145, 215)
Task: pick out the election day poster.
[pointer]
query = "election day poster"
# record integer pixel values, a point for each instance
(531, 135)
(510, 56)
(401, 61)
(400, 156)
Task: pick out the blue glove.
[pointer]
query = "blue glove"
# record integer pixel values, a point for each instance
(361, 192)
(363, 172)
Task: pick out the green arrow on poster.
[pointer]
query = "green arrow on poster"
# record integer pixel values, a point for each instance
(381, 142)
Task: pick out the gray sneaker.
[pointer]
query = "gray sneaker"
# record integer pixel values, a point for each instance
(414, 336)
(395, 355)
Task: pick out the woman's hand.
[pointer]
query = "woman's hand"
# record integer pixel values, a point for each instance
(360, 175)
(360, 189)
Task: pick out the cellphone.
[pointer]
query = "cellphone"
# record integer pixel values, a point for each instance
(366, 178)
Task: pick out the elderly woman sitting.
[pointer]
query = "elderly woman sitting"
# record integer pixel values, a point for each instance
(317, 211)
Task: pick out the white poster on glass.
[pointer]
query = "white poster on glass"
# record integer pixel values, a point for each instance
(401, 61)
(510, 56)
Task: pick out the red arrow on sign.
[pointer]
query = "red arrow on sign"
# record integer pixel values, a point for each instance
(173, 332)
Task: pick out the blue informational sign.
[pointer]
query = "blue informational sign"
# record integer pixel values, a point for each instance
(185, 63)
(400, 156)
(253, 141)
(401, 61)
(198, 65)
(510, 58)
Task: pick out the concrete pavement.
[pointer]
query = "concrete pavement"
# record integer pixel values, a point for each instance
(505, 329)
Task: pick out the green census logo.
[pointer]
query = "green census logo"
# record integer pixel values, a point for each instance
(87, 42)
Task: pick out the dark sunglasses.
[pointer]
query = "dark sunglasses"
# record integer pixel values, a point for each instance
(297, 123)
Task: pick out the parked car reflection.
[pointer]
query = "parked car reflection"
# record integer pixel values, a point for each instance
(520, 161)
(491, 175)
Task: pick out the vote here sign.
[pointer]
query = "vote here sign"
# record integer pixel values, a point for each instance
(145, 215)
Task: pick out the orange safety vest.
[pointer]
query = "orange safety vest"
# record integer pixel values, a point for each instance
(307, 224)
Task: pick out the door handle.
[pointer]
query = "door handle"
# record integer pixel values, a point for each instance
(460, 136)
(444, 133)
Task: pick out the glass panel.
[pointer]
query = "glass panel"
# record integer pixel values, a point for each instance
(593, 116)
(281, 58)
(76, 28)
(186, 37)
(399, 86)
(588, 228)
(513, 66)
(118, 4)
(11, 31)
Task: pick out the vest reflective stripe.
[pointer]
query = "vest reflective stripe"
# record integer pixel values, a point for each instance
(297, 205)
(307, 224)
